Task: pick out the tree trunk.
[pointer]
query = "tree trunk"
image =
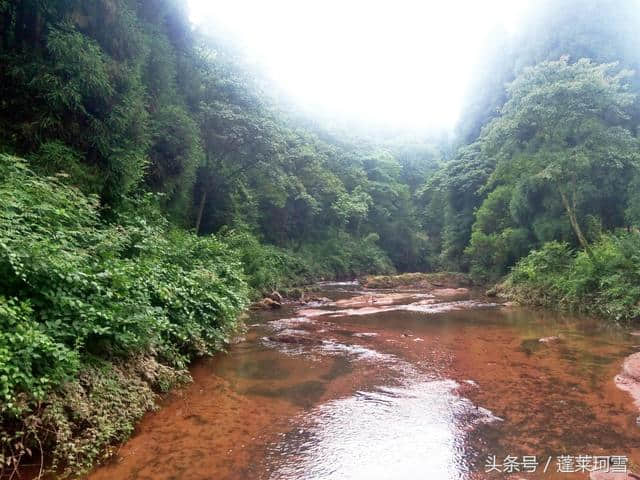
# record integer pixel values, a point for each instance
(571, 212)
(203, 200)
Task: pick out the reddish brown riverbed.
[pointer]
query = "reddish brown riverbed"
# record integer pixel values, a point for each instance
(411, 386)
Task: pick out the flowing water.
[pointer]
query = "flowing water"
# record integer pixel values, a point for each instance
(395, 385)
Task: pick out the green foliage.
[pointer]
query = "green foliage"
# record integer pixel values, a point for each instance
(557, 277)
(175, 155)
(104, 300)
(123, 97)
(56, 158)
(602, 30)
(491, 254)
(454, 193)
(112, 100)
(80, 71)
(117, 288)
(632, 212)
(354, 206)
(345, 257)
(31, 361)
(558, 157)
(551, 116)
(269, 267)
(73, 288)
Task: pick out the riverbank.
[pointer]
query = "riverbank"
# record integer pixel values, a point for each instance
(97, 317)
(418, 280)
(605, 285)
(103, 404)
(400, 383)
(102, 312)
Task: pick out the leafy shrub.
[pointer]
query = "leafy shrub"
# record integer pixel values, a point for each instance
(74, 289)
(268, 267)
(342, 256)
(30, 360)
(543, 265)
(82, 301)
(56, 158)
(490, 255)
(555, 276)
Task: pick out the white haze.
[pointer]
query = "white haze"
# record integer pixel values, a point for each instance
(401, 64)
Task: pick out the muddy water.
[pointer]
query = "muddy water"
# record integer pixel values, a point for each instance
(393, 386)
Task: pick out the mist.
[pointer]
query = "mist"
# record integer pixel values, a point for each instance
(400, 65)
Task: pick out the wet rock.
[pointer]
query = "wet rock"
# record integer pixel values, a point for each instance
(266, 304)
(446, 306)
(367, 300)
(423, 306)
(629, 385)
(552, 339)
(631, 367)
(275, 296)
(428, 301)
(601, 475)
(269, 302)
(418, 280)
(466, 387)
(629, 379)
(379, 299)
(296, 294)
(318, 300)
(450, 292)
(342, 331)
(313, 312)
(363, 311)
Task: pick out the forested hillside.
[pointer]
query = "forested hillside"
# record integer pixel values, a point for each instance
(151, 185)
(549, 153)
(128, 138)
(518, 118)
(126, 97)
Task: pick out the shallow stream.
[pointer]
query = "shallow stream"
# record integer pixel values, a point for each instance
(396, 385)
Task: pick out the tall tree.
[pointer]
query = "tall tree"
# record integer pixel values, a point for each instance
(564, 125)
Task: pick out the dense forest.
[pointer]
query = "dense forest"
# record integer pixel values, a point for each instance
(151, 185)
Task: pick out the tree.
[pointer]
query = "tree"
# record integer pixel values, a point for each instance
(564, 123)
(352, 207)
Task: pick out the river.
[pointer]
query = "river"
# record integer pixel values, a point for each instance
(396, 385)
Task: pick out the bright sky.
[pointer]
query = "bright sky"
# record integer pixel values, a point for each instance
(396, 62)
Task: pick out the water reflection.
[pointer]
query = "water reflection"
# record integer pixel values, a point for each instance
(383, 433)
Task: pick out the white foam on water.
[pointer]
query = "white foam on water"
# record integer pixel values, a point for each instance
(292, 322)
(357, 352)
(420, 307)
(330, 284)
